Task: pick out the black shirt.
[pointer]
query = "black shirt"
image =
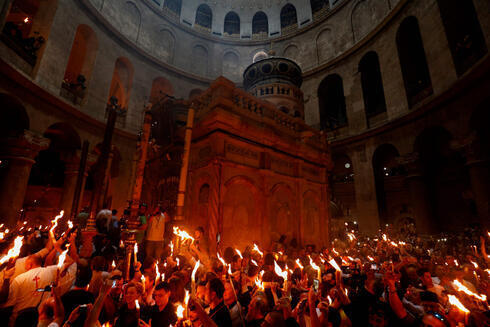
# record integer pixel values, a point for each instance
(163, 318)
(221, 315)
(74, 298)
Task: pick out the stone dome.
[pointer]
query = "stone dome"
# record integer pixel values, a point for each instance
(272, 70)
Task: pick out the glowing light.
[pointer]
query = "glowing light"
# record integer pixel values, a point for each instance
(61, 259)
(474, 264)
(157, 273)
(135, 252)
(370, 258)
(171, 248)
(14, 251)
(461, 288)
(2, 235)
(70, 224)
(254, 262)
(137, 304)
(186, 298)
(178, 261)
(334, 264)
(113, 265)
(221, 259)
(280, 272)
(180, 311)
(256, 248)
(456, 263)
(334, 251)
(259, 284)
(329, 300)
(54, 222)
(26, 20)
(299, 264)
(454, 301)
(229, 270)
(351, 236)
(384, 237)
(184, 236)
(239, 253)
(193, 275)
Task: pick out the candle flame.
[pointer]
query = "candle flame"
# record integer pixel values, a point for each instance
(254, 262)
(329, 300)
(384, 237)
(351, 236)
(182, 234)
(70, 224)
(299, 264)
(313, 265)
(180, 311)
(461, 288)
(26, 20)
(229, 270)
(61, 259)
(334, 251)
(279, 271)
(221, 259)
(370, 258)
(186, 298)
(474, 264)
(2, 235)
(171, 248)
(334, 264)
(157, 273)
(54, 222)
(178, 261)
(239, 253)
(14, 251)
(137, 304)
(193, 275)
(454, 301)
(113, 264)
(256, 248)
(259, 284)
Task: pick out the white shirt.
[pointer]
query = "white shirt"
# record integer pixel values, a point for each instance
(156, 228)
(23, 289)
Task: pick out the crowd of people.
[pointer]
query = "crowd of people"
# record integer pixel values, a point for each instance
(179, 279)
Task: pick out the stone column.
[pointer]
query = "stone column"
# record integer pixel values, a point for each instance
(91, 160)
(478, 168)
(418, 193)
(72, 163)
(17, 155)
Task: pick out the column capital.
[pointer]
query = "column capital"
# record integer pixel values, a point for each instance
(23, 148)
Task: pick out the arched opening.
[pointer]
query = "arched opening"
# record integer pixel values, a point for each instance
(446, 179)
(289, 18)
(260, 25)
(13, 117)
(415, 70)
(122, 81)
(232, 24)
(319, 5)
(372, 85)
(47, 178)
(331, 102)
(231, 66)
(173, 6)
(160, 89)
(80, 64)
(27, 27)
(342, 184)
(386, 169)
(204, 17)
(199, 64)
(463, 32)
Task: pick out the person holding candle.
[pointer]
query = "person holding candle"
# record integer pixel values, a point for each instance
(163, 312)
(129, 313)
(232, 303)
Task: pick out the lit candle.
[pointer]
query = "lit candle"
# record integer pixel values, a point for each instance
(314, 266)
(193, 277)
(14, 251)
(135, 253)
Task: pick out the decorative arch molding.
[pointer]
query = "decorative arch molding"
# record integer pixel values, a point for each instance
(280, 185)
(167, 36)
(243, 180)
(370, 15)
(131, 25)
(200, 59)
(326, 45)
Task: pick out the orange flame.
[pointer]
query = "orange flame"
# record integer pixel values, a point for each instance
(334, 264)
(454, 301)
(180, 311)
(461, 288)
(193, 275)
(256, 248)
(182, 234)
(14, 251)
(239, 253)
(54, 222)
(299, 264)
(61, 259)
(279, 271)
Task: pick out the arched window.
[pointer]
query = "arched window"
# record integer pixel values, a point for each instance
(122, 81)
(27, 27)
(372, 85)
(204, 17)
(317, 5)
(332, 103)
(80, 64)
(232, 24)
(288, 16)
(413, 63)
(463, 33)
(173, 6)
(260, 25)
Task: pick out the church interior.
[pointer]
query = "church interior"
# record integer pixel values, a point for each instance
(255, 119)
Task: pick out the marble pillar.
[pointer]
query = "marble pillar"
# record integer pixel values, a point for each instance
(72, 164)
(418, 193)
(18, 156)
